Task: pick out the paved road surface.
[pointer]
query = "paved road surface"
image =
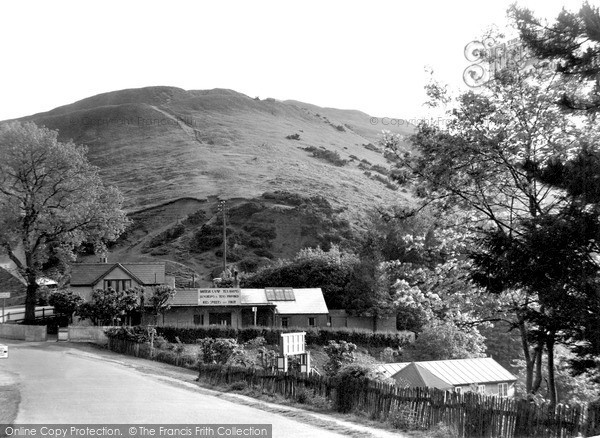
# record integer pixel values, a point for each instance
(60, 384)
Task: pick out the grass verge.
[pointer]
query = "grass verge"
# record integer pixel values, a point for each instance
(9, 400)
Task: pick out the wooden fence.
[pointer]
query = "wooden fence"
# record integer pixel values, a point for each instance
(471, 415)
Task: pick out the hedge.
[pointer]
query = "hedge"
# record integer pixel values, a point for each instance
(314, 336)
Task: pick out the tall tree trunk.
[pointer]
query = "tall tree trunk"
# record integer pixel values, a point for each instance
(539, 352)
(551, 382)
(529, 361)
(31, 298)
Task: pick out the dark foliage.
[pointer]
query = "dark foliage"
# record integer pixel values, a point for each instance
(314, 336)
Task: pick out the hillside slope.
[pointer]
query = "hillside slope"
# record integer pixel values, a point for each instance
(161, 143)
(176, 153)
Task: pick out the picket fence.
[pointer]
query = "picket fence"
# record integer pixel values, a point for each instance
(471, 415)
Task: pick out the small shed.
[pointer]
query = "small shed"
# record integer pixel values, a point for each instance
(482, 375)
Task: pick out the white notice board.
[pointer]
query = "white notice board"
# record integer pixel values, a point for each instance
(219, 297)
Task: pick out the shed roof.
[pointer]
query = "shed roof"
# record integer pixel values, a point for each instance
(461, 371)
(389, 369)
(87, 274)
(417, 376)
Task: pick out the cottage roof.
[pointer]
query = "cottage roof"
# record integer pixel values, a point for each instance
(458, 372)
(307, 301)
(88, 274)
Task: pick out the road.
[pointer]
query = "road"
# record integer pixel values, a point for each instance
(62, 384)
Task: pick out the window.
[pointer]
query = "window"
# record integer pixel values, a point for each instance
(285, 321)
(199, 319)
(311, 321)
(117, 285)
(219, 318)
(503, 389)
(457, 389)
(480, 389)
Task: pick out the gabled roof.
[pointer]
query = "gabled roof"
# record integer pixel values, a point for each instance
(389, 369)
(459, 372)
(88, 274)
(417, 376)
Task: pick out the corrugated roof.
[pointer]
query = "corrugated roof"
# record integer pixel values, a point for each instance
(87, 274)
(417, 376)
(389, 369)
(308, 301)
(467, 371)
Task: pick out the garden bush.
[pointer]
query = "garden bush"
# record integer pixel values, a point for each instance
(314, 336)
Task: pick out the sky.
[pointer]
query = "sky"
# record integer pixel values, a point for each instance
(365, 55)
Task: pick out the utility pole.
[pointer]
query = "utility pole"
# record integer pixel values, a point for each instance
(223, 210)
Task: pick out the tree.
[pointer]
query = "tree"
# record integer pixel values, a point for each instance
(110, 307)
(159, 301)
(490, 162)
(573, 42)
(51, 201)
(336, 272)
(442, 340)
(65, 302)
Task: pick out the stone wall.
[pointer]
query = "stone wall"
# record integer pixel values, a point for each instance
(31, 333)
(87, 334)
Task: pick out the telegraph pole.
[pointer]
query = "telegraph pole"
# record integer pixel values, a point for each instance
(223, 210)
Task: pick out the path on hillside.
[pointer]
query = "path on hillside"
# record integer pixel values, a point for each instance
(61, 383)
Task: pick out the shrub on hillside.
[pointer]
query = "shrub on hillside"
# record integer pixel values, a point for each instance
(196, 218)
(206, 238)
(372, 147)
(340, 354)
(332, 157)
(168, 235)
(293, 136)
(380, 169)
(262, 252)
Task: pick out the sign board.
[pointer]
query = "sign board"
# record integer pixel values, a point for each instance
(292, 343)
(4, 294)
(219, 297)
(3, 351)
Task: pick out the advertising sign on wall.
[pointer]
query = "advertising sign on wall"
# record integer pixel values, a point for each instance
(219, 297)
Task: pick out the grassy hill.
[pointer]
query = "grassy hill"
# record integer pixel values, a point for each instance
(162, 143)
(174, 153)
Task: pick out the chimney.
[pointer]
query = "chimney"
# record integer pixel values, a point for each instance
(104, 258)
